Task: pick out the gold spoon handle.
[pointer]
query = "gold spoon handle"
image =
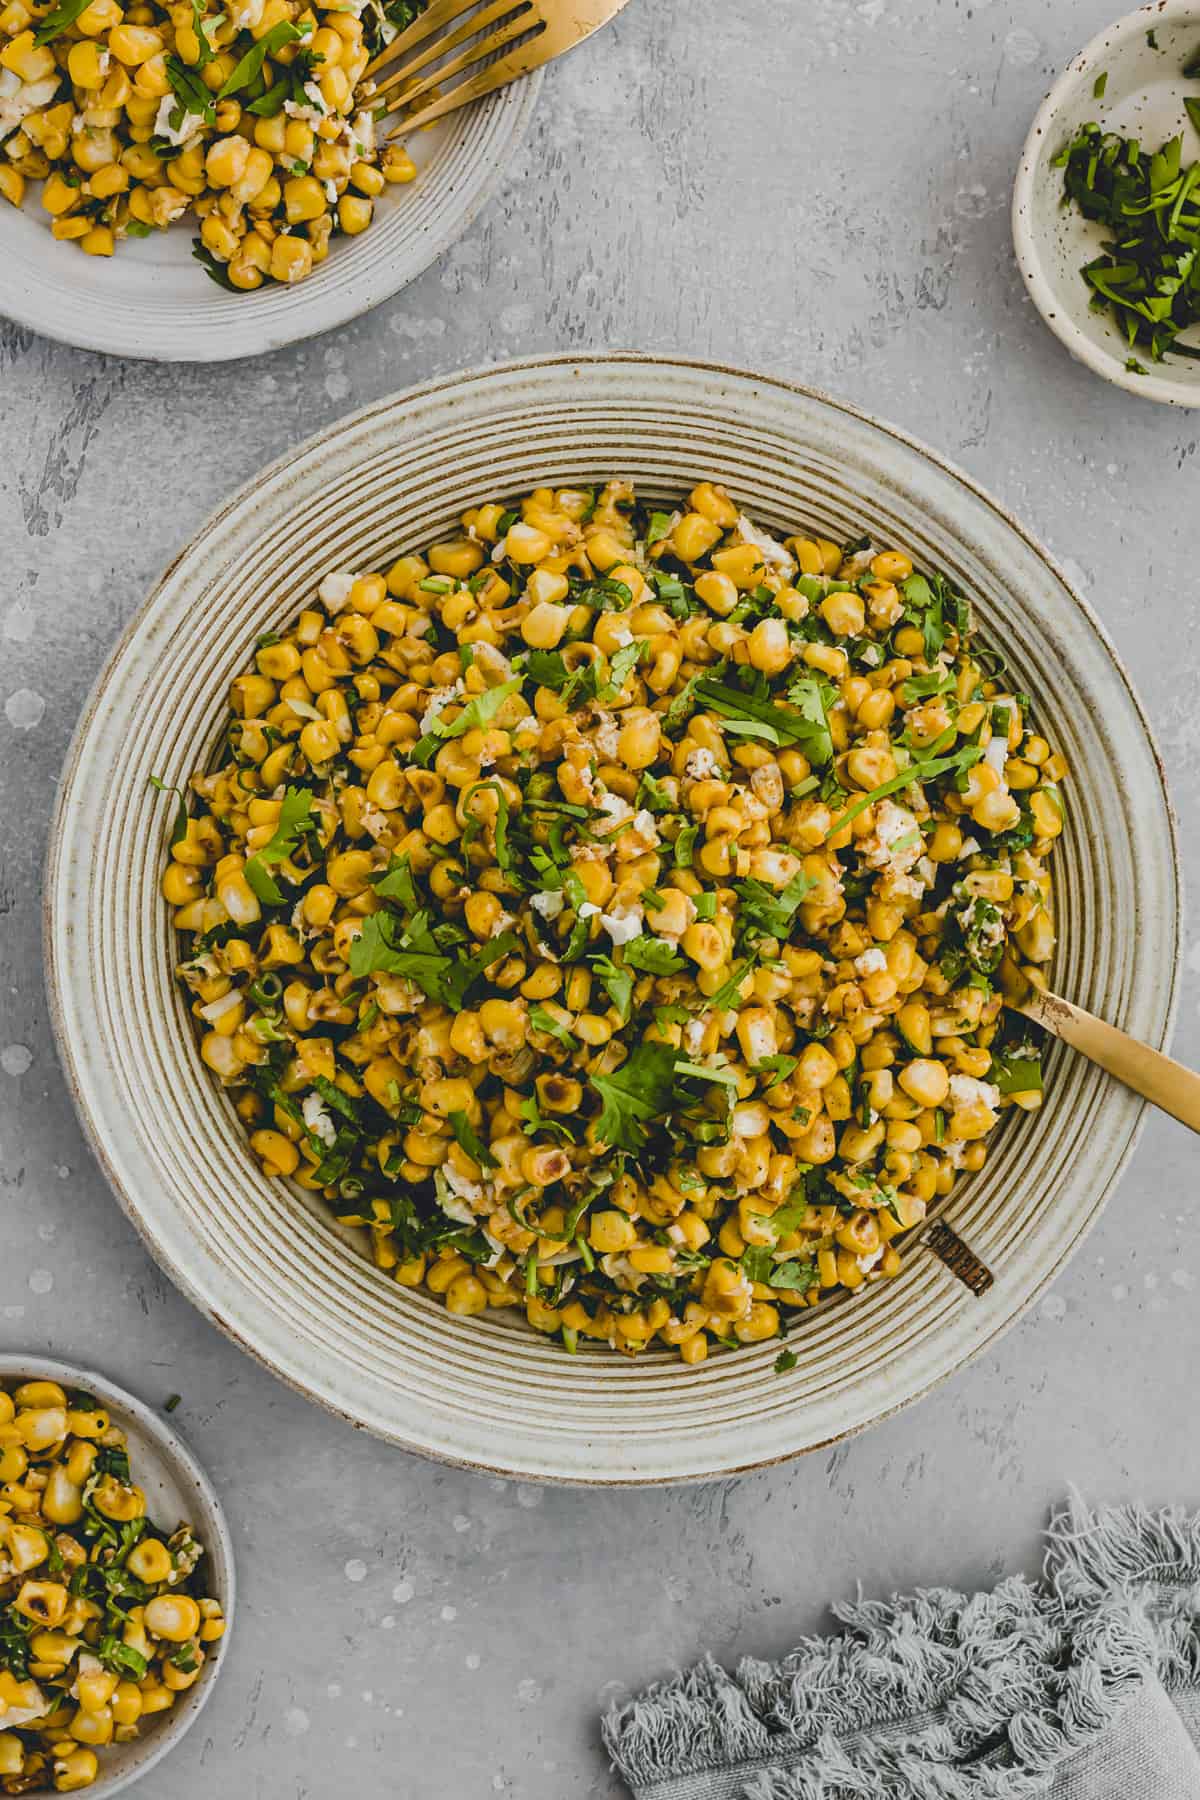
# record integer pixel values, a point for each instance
(1148, 1072)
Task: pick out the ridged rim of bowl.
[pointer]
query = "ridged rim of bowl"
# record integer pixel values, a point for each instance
(469, 156)
(476, 1392)
(136, 1760)
(1030, 172)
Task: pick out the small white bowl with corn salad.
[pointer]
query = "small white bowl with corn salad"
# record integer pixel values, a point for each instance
(196, 182)
(116, 1582)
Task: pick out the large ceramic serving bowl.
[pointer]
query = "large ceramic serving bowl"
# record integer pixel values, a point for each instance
(152, 299)
(265, 1262)
(177, 1491)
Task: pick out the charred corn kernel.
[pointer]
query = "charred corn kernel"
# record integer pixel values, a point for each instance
(27, 1546)
(58, 195)
(93, 1727)
(367, 179)
(466, 1296)
(35, 1394)
(118, 1501)
(244, 273)
(226, 160)
(75, 1770)
(62, 1499)
(150, 1561)
(44, 1602)
(13, 1462)
(126, 1703)
(88, 64)
(98, 17)
(397, 165)
(291, 259)
(175, 1617)
(40, 1427)
(355, 212)
(134, 44)
(94, 1690)
(25, 58)
(303, 198)
(611, 1232)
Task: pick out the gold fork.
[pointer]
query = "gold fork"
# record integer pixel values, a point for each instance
(531, 32)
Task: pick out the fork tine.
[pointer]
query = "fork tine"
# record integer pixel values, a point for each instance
(478, 21)
(498, 74)
(439, 14)
(529, 20)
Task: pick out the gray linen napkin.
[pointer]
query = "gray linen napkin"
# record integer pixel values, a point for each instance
(1085, 1687)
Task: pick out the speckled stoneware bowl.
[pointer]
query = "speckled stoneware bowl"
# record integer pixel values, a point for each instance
(177, 1490)
(153, 300)
(265, 1262)
(1142, 58)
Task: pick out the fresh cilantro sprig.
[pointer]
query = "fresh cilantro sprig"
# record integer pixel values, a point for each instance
(922, 769)
(295, 819)
(414, 951)
(476, 715)
(804, 724)
(769, 912)
(191, 93)
(179, 824)
(60, 18)
(468, 1138)
(249, 67)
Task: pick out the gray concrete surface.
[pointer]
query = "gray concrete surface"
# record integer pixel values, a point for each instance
(816, 190)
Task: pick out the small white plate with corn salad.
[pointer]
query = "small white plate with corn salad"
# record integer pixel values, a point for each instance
(198, 184)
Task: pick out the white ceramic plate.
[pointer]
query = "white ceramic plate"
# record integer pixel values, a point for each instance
(153, 300)
(264, 1262)
(177, 1490)
(1142, 57)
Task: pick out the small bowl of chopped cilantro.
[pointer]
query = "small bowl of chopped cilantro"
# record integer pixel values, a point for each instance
(1106, 208)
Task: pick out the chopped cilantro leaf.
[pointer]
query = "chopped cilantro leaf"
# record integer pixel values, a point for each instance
(295, 818)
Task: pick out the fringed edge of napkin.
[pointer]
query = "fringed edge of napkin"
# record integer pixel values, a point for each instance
(937, 1675)
(937, 1696)
(1149, 1560)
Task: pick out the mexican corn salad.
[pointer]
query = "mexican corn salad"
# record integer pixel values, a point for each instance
(244, 117)
(610, 910)
(103, 1623)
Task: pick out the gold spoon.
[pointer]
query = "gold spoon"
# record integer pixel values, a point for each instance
(1148, 1072)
